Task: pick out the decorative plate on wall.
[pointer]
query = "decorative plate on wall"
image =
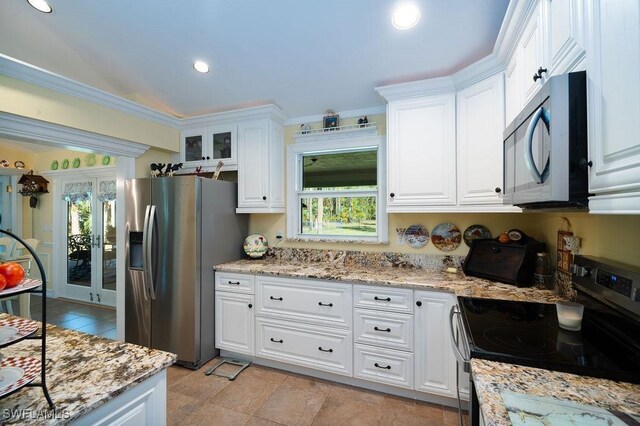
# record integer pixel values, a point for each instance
(475, 232)
(255, 245)
(106, 160)
(54, 165)
(90, 160)
(416, 236)
(76, 163)
(446, 237)
(4, 163)
(65, 163)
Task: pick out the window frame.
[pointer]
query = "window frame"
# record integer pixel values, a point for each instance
(295, 154)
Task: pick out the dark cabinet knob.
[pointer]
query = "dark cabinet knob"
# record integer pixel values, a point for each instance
(392, 195)
(208, 158)
(538, 75)
(498, 190)
(203, 158)
(264, 198)
(250, 306)
(419, 303)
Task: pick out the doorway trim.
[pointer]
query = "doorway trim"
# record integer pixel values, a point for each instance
(31, 130)
(16, 201)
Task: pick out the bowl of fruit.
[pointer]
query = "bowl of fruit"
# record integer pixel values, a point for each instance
(11, 275)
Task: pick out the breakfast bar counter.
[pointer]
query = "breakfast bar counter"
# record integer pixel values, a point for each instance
(508, 391)
(89, 378)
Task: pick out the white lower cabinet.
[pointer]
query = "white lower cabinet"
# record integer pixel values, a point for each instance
(310, 346)
(383, 366)
(435, 362)
(235, 324)
(393, 336)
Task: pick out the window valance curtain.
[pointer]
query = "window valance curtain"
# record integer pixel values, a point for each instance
(77, 191)
(107, 190)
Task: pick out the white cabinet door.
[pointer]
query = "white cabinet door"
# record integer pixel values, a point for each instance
(193, 147)
(512, 92)
(480, 122)
(435, 362)
(235, 322)
(532, 55)
(613, 91)
(253, 164)
(421, 153)
(565, 31)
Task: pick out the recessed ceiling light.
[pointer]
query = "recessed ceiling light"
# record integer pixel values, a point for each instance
(201, 66)
(41, 5)
(405, 17)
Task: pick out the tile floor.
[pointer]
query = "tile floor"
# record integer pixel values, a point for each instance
(265, 396)
(82, 317)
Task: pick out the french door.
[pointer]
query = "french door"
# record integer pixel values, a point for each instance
(90, 238)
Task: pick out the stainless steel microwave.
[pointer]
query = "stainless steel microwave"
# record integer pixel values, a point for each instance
(545, 148)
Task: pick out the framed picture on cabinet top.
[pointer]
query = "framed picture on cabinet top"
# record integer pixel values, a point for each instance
(330, 122)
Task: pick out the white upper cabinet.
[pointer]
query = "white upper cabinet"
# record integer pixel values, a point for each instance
(260, 167)
(613, 67)
(206, 146)
(551, 41)
(421, 158)
(480, 121)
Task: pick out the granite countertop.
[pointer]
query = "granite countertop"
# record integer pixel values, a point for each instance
(395, 276)
(83, 372)
(492, 378)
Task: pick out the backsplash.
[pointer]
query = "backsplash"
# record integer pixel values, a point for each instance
(363, 258)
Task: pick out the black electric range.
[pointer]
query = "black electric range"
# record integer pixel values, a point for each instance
(608, 346)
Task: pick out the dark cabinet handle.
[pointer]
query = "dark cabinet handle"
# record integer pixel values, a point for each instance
(325, 304)
(538, 75)
(419, 303)
(392, 195)
(388, 299)
(324, 350)
(498, 190)
(276, 341)
(388, 367)
(275, 298)
(388, 330)
(264, 198)
(250, 306)
(234, 282)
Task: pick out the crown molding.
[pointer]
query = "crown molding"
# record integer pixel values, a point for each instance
(478, 71)
(26, 72)
(270, 111)
(518, 14)
(316, 118)
(29, 129)
(413, 89)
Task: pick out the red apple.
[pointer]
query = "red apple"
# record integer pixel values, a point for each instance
(13, 273)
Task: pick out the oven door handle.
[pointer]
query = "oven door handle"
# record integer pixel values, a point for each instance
(454, 340)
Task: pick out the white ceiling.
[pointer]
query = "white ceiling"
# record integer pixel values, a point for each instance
(306, 56)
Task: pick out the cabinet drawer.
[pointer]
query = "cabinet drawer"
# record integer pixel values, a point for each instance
(385, 329)
(383, 298)
(238, 283)
(309, 346)
(384, 366)
(322, 303)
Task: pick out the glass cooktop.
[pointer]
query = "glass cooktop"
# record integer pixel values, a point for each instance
(608, 346)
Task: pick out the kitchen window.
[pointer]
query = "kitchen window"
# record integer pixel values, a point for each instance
(336, 190)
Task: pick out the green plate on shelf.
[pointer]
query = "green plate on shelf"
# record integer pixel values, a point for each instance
(76, 163)
(65, 163)
(54, 165)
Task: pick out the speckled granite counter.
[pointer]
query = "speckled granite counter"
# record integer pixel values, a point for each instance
(492, 378)
(83, 372)
(389, 275)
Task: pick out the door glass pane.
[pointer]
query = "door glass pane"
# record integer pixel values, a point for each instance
(222, 145)
(79, 226)
(109, 245)
(193, 148)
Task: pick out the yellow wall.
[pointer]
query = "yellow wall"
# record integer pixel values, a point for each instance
(151, 156)
(29, 100)
(614, 237)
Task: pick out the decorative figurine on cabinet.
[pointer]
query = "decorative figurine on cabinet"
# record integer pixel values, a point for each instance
(172, 169)
(156, 169)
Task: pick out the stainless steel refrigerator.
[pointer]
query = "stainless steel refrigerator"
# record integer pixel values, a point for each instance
(177, 229)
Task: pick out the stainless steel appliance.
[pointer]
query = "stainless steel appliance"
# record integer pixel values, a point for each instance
(545, 148)
(608, 346)
(177, 229)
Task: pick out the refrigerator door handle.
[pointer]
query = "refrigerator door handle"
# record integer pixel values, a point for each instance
(150, 283)
(146, 252)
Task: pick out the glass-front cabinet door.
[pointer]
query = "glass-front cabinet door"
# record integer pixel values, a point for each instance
(221, 142)
(193, 147)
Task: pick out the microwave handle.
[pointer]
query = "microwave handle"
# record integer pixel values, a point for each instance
(538, 177)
